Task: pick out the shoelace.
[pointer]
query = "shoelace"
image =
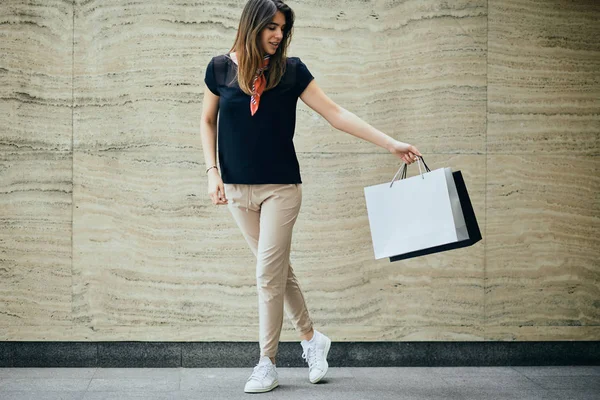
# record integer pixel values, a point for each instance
(310, 355)
(260, 371)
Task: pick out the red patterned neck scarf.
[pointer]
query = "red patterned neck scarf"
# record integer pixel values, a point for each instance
(258, 85)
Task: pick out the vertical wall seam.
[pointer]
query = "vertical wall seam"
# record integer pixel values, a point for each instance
(485, 203)
(72, 150)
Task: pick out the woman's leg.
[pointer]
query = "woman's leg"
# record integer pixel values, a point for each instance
(295, 306)
(246, 216)
(280, 205)
(248, 221)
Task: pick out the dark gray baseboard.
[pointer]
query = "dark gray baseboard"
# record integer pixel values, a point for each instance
(342, 354)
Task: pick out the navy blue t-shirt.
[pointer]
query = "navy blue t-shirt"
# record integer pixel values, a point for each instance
(257, 149)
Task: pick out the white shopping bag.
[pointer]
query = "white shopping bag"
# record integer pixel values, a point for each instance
(415, 213)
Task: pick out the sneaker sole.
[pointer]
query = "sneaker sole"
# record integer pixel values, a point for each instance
(318, 378)
(267, 389)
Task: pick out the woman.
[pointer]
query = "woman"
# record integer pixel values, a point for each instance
(255, 88)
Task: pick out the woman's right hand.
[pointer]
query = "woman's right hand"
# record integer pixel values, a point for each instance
(216, 189)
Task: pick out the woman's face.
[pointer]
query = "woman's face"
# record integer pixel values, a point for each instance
(272, 34)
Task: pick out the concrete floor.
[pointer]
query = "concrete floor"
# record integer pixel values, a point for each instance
(448, 383)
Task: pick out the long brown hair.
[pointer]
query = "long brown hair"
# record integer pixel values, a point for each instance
(255, 17)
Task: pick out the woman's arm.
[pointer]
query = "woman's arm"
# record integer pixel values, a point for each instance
(208, 135)
(208, 127)
(344, 120)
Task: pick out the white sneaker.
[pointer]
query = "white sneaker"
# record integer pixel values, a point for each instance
(315, 353)
(263, 378)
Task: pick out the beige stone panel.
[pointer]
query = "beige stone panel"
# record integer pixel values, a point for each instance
(564, 134)
(544, 85)
(416, 70)
(542, 333)
(333, 243)
(151, 249)
(36, 47)
(139, 71)
(445, 288)
(35, 238)
(241, 333)
(35, 162)
(338, 333)
(147, 253)
(542, 247)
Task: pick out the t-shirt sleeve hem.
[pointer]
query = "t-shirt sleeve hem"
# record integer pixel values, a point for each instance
(213, 91)
(209, 78)
(303, 76)
(304, 86)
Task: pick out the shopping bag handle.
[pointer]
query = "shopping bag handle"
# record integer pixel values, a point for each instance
(404, 168)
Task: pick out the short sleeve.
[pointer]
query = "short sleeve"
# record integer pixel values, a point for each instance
(209, 77)
(303, 77)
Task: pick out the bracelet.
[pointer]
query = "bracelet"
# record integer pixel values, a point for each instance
(214, 166)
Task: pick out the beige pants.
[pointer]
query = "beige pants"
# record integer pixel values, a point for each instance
(271, 210)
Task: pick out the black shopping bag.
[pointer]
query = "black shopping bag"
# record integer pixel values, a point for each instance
(470, 221)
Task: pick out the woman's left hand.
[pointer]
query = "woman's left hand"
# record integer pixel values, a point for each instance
(407, 152)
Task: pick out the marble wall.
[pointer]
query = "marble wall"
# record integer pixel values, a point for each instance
(107, 233)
